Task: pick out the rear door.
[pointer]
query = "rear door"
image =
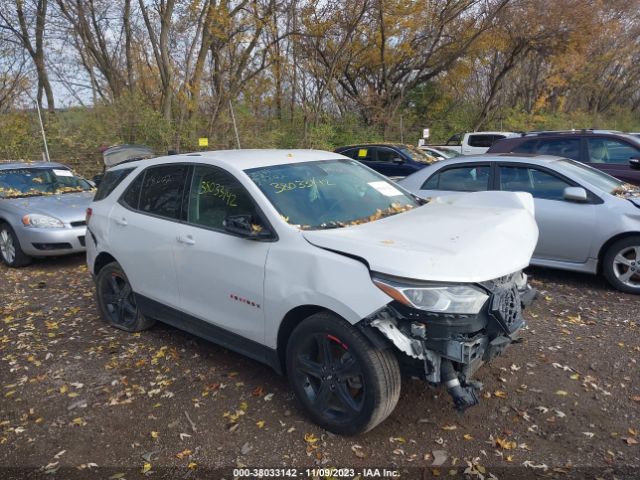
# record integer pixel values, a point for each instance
(143, 228)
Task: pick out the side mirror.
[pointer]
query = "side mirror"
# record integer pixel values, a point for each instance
(397, 161)
(97, 179)
(575, 194)
(634, 163)
(243, 226)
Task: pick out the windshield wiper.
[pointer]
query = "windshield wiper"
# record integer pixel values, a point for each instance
(330, 225)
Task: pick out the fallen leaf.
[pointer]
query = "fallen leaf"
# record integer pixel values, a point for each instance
(467, 436)
(500, 394)
(183, 454)
(630, 441)
(310, 438)
(505, 444)
(155, 434)
(562, 393)
(449, 427)
(146, 467)
(357, 450)
(260, 423)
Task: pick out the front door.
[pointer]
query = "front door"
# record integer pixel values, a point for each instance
(566, 228)
(221, 276)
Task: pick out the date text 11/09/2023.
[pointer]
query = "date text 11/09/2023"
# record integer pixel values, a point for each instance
(347, 473)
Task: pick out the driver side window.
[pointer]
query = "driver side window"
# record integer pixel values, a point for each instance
(214, 194)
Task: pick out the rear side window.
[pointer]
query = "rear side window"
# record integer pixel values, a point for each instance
(483, 141)
(162, 190)
(472, 178)
(561, 147)
(110, 181)
(131, 196)
(526, 147)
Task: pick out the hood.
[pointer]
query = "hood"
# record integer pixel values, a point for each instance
(68, 207)
(470, 237)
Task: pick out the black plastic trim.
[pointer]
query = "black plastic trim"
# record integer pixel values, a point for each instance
(210, 332)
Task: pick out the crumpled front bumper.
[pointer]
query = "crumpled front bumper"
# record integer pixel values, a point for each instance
(467, 341)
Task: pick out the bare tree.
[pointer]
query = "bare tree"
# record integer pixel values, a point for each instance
(32, 40)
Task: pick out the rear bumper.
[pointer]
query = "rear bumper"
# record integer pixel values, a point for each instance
(47, 242)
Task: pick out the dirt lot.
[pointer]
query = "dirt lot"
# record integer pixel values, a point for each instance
(82, 400)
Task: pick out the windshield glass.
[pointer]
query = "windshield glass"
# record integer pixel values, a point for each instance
(28, 182)
(595, 177)
(330, 193)
(417, 154)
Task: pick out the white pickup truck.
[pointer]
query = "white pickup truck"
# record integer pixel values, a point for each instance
(474, 143)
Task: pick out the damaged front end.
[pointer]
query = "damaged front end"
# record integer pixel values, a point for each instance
(446, 332)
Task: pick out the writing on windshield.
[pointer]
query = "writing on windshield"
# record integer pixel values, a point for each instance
(330, 193)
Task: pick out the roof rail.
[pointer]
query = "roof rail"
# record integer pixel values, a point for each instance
(568, 132)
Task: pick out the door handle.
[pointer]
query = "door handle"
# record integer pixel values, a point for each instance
(121, 221)
(186, 239)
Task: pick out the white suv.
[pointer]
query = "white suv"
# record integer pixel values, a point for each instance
(316, 265)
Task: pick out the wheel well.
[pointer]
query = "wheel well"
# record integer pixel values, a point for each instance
(611, 241)
(290, 321)
(102, 260)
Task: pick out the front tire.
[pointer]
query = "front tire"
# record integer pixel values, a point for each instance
(10, 250)
(117, 301)
(344, 383)
(621, 264)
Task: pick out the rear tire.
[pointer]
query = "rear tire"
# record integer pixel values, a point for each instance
(10, 249)
(621, 264)
(117, 301)
(344, 383)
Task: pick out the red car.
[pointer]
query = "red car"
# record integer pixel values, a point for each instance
(617, 154)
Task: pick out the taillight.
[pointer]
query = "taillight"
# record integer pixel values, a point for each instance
(88, 215)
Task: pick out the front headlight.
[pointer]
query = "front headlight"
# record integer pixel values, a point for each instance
(41, 221)
(433, 297)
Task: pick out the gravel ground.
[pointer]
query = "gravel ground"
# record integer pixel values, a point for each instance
(82, 400)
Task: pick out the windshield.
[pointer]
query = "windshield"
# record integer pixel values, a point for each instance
(330, 193)
(417, 154)
(595, 177)
(29, 182)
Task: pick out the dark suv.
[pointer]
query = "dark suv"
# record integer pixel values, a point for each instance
(392, 160)
(615, 153)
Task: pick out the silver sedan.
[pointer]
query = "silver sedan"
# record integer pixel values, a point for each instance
(588, 221)
(42, 211)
